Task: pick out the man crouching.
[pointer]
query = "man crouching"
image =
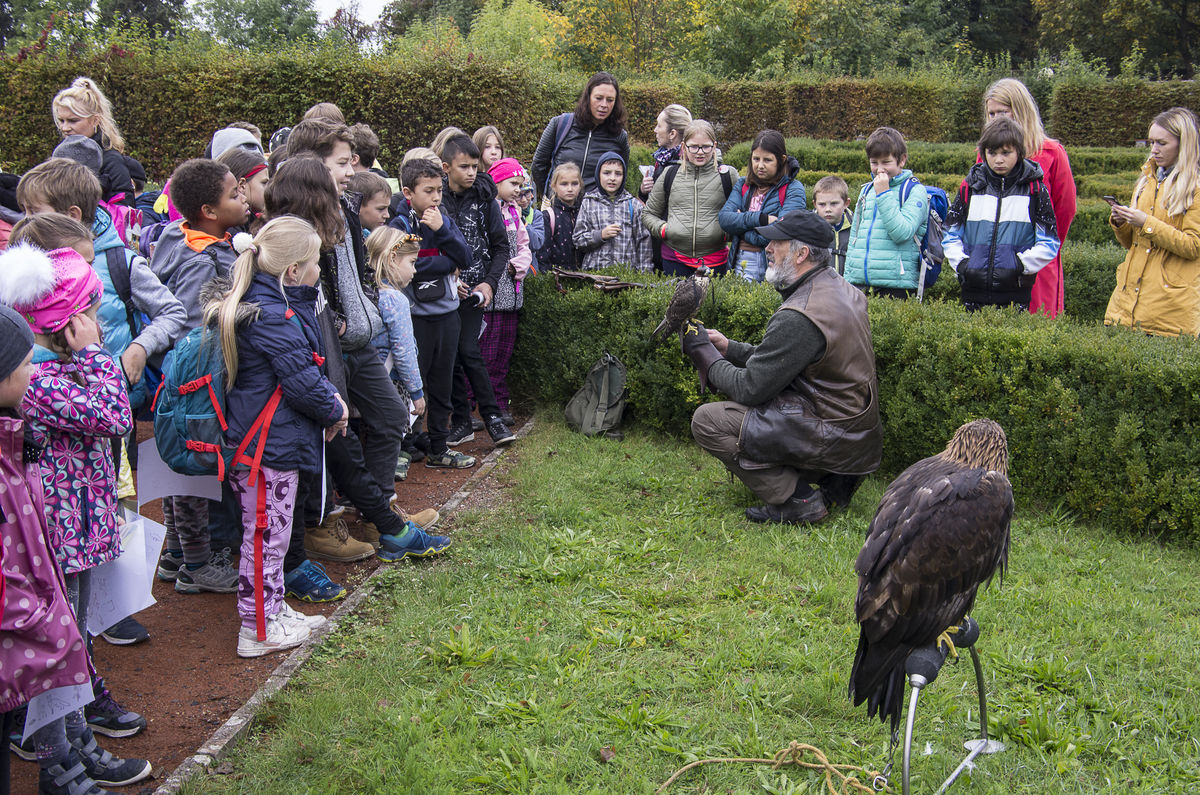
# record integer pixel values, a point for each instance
(805, 403)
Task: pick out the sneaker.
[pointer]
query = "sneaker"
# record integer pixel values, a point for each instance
(105, 716)
(421, 545)
(289, 613)
(26, 750)
(308, 582)
(401, 468)
(69, 778)
(331, 540)
(168, 565)
(126, 632)
(217, 576)
(498, 430)
(476, 424)
(507, 419)
(106, 769)
(281, 635)
(461, 432)
(450, 459)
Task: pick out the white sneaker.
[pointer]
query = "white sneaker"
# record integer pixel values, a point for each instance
(281, 634)
(289, 613)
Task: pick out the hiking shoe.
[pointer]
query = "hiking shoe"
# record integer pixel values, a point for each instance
(69, 778)
(126, 632)
(476, 424)
(419, 545)
(105, 716)
(797, 510)
(331, 540)
(106, 769)
(425, 519)
(217, 576)
(281, 635)
(289, 613)
(450, 459)
(168, 565)
(308, 582)
(461, 432)
(498, 430)
(507, 419)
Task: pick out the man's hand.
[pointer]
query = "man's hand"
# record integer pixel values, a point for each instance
(133, 362)
(719, 341)
(694, 340)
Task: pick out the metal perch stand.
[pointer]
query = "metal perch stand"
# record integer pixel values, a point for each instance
(922, 668)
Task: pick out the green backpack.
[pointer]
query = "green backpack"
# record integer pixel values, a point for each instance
(598, 406)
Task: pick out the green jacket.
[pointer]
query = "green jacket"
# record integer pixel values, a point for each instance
(692, 221)
(883, 251)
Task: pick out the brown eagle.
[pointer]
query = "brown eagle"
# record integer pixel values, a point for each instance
(685, 302)
(941, 530)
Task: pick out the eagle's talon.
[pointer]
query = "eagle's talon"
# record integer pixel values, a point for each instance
(945, 638)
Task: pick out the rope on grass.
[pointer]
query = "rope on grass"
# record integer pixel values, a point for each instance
(794, 755)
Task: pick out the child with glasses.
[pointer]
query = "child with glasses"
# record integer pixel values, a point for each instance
(685, 206)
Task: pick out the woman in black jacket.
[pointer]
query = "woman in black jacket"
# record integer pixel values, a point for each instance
(595, 127)
(82, 109)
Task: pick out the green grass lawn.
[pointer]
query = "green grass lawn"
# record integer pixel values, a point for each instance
(619, 606)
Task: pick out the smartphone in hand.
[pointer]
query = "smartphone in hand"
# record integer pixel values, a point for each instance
(1111, 200)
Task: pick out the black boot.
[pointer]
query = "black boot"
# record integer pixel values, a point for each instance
(808, 509)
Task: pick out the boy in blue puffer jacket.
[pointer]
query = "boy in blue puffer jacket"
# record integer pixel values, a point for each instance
(1000, 230)
(884, 255)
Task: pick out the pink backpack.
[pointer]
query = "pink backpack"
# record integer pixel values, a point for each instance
(127, 220)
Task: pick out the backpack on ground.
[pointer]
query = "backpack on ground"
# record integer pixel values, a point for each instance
(932, 254)
(599, 405)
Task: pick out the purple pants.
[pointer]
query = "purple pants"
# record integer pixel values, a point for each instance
(496, 346)
(280, 501)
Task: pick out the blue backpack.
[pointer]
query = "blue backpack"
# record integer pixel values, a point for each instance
(932, 254)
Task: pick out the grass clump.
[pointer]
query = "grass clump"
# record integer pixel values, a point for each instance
(618, 618)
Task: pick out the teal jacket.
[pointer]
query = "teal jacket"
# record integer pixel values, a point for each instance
(883, 250)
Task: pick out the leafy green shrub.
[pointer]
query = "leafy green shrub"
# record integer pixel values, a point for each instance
(1102, 420)
(1089, 276)
(1114, 113)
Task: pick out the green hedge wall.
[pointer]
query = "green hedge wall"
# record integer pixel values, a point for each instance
(1103, 421)
(1114, 113)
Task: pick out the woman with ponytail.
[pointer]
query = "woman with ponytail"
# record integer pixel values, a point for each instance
(267, 326)
(82, 109)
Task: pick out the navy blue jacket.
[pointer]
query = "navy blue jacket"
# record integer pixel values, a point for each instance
(442, 252)
(274, 350)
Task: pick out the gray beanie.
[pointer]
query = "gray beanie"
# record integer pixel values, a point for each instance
(16, 340)
(81, 149)
(229, 137)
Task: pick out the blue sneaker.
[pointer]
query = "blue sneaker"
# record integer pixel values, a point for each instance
(308, 582)
(419, 545)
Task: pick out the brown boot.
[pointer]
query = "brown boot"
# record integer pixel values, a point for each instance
(331, 540)
(425, 520)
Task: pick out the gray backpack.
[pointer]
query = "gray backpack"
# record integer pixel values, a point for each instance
(598, 406)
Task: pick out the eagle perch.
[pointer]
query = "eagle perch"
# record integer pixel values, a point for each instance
(684, 304)
(941, 530)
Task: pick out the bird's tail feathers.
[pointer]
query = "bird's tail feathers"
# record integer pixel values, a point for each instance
(878, 679)
(659, 333)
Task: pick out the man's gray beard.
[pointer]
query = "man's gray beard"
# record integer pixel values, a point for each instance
(779, 278)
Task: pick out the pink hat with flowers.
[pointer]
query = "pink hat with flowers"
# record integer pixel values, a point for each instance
(506, 168)
(48, 288)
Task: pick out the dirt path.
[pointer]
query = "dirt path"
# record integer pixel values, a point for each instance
(187, 679)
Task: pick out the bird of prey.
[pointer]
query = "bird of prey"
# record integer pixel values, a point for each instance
(941, 530)
(684, 303)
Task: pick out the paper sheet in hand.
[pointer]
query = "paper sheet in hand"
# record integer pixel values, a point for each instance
(45, 707)
(121, 587)
(156, 479)
(154, 535)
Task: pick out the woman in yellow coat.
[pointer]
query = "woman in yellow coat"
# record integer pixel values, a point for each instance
(1158, 284)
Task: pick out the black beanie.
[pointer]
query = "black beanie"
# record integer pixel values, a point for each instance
(16, 340)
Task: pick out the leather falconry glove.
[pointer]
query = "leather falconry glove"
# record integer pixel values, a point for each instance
(693, 338)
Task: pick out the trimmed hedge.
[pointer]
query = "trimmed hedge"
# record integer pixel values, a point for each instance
(1114, 113)
(1102, 420)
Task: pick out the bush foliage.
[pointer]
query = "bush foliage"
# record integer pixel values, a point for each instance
(1101, 420)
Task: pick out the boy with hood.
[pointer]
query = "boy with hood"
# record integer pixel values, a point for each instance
(608, 229)
(1000, 231)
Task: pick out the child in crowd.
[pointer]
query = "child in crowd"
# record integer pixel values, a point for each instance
(685, 205)
(1000, 230)
(470, 199)
(559, 249)
(608, 229)
(884, 255)
(490, 145)
(500, 320)
(82, 109)
(270, 343)
(831, 195)
(433, 297)
(325, 111)
(767, 193)
(190, 253)
(438, 144)
(76, 404)
(376, 196)
(534, 222)
(366, 150)
(234, 137)
(393, 256)
(41, 647)
(249, 168)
